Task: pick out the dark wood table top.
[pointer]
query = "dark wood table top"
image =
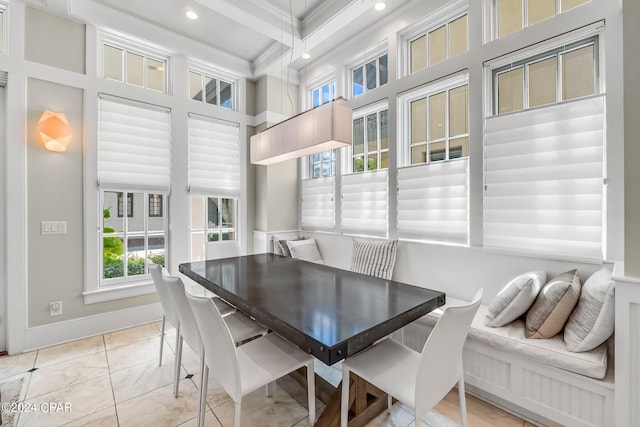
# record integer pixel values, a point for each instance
(328, 312)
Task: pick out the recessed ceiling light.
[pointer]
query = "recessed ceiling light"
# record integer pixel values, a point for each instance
(306, 56)
(380, 6)
(191, 14)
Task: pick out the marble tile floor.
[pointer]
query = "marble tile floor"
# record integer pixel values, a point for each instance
(114, 380)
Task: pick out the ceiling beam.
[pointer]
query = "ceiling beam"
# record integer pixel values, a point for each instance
(259, 16)
(318, 36)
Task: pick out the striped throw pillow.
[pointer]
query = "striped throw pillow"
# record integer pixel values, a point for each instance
(374, 258)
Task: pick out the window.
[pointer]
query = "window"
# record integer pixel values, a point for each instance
(134, 157)
(438, 44)
(129, 207)
(214, 183)
(324, 163)
(127, 244)
(433, 177)
(135, 65)
(558, 75)
(544, 167)
(514, 15)
(370, 150)
(2, 28)
(323, 93)
(439, 125)
(213, 219)
(211, 90)
(369, 75)
(155, 205)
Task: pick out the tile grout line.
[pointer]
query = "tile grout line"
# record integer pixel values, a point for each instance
(113, 393)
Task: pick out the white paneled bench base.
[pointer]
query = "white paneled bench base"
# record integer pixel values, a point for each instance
(537, 379)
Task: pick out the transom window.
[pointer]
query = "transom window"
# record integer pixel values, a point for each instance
(558, 75)
(211, 90)
(439, 125)
(369, 75)
(323, 93)
(438, 44)
(324, 163)
(370, 150)
(514, 15)
(134, 67)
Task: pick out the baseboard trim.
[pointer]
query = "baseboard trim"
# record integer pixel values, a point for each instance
(83, 327)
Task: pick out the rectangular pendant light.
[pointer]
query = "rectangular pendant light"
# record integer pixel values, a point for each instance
(323, 128)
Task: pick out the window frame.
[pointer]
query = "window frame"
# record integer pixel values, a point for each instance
(219, 230)
(364, 115)
(107, 283)
(347, 153)
(331, 83)
(4, 11)
(494, 29)
(220, 76)
(404, 128)
(375, 52)
(443, 16)
(555, 52)
(129, 44)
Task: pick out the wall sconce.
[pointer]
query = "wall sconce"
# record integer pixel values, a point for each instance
(54, 130)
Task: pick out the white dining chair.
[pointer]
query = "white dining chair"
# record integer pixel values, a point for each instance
(242, 329)
(169, 312)
(419, 380)
(241, 370)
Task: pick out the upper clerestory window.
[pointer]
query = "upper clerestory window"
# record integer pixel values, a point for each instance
(514, 15)
(134, 63)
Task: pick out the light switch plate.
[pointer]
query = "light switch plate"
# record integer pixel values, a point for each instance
(53, 227)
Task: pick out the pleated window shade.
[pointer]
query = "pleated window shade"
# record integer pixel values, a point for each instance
(544, 180)
(134, 146)
(433, 202)
(318, 204)
(214, 157)
(364, 203)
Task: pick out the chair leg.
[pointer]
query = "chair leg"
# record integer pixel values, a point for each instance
(176, 375)
(236, 422)
(162, 339)
(344, 404)
(389, 403)
(204, 382)
(463, 402)
(311, 392)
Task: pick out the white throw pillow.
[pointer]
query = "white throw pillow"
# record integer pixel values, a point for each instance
(306, 250)
(515, 298)
(592, 321)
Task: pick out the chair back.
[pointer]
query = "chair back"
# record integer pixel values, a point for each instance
(219, 347)
(441, 359)
(163, 293)
(188, 326)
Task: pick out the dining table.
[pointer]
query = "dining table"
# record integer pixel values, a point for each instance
(328, 312)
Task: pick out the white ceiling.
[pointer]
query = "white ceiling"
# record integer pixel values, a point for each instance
(257, 35)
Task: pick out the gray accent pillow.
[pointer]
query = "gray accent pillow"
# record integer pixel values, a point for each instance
(515, 298)
(374, 258)
(306, 250)
(280, 247)
(593, 320)
(554, 304)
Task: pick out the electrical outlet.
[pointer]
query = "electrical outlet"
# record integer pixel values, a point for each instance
(55, 308)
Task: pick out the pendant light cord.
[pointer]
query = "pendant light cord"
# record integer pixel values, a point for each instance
(291, 56)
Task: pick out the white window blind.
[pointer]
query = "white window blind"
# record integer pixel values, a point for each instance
(318, 204)
(214, 156)
(433, 202)
(364, 203)
(134, 146)
(544, 180)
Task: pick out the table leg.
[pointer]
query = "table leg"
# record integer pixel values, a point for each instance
(365, 401)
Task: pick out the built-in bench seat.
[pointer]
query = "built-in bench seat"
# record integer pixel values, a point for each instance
(537, 378)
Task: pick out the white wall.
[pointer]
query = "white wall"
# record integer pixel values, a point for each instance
(472, 63)
(3, 225)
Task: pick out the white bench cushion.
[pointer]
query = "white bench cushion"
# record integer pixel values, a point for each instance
(511, 338)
